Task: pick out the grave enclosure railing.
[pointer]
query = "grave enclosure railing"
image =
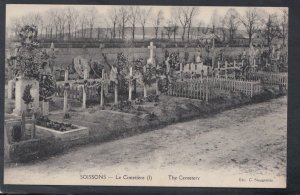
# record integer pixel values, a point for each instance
(209, 89)
(75, 92)
(270, 78)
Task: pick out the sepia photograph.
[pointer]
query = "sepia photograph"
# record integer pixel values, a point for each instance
(134, 95)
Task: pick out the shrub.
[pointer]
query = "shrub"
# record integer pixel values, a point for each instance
(16, 133)
(27, 98)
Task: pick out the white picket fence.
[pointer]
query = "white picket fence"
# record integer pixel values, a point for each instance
(75, 92)
(212, 88)
(270, 78)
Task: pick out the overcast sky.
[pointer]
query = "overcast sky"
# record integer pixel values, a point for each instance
(205, 12)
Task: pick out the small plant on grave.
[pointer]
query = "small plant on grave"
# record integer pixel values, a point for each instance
(47, 87)
(16, 133)
(27, 98)
(153, 98)
(67, 115)
(46, 122)
(139, 101)
(152, 116)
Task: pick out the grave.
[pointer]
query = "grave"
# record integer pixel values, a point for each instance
(11, 89)
(20, 106)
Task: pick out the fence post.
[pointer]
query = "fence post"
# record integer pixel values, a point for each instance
(23, 122)
(66, 75)
(65, 109)
(251, 92)
(85, 89)
(206, 95)
(33, 127)
(102, 90)
(116, 93)
(130, 84)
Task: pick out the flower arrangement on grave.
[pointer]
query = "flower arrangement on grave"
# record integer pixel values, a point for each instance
(119, 72)
(147, 72)
(47, 87)
(28, 57)
(167, 70)
(46, 122)
(27, 98)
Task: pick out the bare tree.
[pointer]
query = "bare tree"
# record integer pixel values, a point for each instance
(271, 29)
(157, 22)
(52, 16)
(175, 29)
(214, 20)
(71, 17)
(83, 22)
(16, 25)
(169, 29)
(75, 22)
(143, 18)
(62, 19)
(193, 12)
(182, 14)
(251, 21)
(223, 28)
(133, 17)
(232, 22)
(123, 19)
(284, 26)
(113, 17)
(91, 17)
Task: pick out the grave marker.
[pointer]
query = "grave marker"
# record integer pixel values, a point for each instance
(130, 84)
(102, 90)
(84, 95)
(11, 89)
(21, 83)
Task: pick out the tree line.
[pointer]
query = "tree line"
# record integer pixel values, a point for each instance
(87, 23)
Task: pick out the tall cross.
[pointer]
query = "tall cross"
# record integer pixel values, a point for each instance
(151, 47)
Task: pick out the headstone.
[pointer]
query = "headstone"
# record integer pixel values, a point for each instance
(151, 59)
(66, 75)
(102, 90)
(84, 95)
(65, 108)
(198, 59)
(11, 89)
(45, 108)
(226, 65)
(21, 83)
(145, 87)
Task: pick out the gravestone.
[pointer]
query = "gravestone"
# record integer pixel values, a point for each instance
(11, 89)
(21, 83)
(150, 61)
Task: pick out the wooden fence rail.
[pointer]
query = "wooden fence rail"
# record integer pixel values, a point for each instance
(76, 92)
(212, 88)
(269, 78)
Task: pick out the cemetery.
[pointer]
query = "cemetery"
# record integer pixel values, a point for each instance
(51, 107)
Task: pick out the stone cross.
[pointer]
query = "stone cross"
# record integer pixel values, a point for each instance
(66, 75)
(130, 83)
(226, 66)
(151, 47)
(84, 95)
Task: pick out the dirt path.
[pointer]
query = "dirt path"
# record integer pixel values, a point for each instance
(250, 139)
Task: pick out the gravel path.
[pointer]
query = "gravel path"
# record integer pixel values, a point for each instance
(246, 140)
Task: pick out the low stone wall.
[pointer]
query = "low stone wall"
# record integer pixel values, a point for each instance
(69, 138)
(22, 151)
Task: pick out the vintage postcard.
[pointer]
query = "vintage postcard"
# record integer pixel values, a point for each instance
(186, 96)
